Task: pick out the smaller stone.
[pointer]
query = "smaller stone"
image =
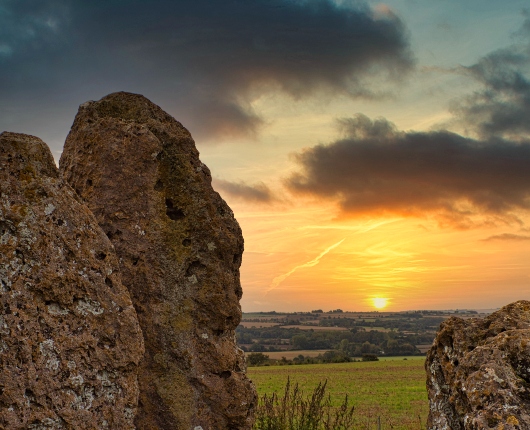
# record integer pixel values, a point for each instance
(478, 372)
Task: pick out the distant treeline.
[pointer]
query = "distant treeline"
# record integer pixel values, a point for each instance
(410, 322)
(353, 343)
(261, 359)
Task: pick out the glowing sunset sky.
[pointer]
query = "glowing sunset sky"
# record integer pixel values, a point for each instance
(369, 150)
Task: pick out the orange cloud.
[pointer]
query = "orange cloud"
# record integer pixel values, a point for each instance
(507, 236)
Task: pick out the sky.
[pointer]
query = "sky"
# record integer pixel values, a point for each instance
(374, 153)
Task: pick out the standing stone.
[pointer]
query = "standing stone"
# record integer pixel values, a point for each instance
(180, 250)
(70, 342)
(478, 372)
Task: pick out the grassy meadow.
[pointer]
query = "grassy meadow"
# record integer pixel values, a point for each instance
(392, 388)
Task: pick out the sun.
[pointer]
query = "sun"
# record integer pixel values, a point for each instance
(379, 302)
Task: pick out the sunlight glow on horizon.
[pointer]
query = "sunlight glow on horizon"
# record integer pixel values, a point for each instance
(380, 303)
(414, 261)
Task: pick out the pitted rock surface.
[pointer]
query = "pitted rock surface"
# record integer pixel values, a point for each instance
(70, 342)
(180, 250)
(478, 372)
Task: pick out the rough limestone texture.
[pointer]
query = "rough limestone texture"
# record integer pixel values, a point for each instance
(180, 250)
(478, 372)
(70, 342)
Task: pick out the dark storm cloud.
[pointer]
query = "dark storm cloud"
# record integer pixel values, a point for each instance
(378, 169)
(502, 106)
(204, 59)
(259, 192)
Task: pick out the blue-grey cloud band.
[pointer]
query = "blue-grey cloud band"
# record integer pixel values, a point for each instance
(502, 106)
(201, 58)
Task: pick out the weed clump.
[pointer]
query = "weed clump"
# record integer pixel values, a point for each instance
(294, 411)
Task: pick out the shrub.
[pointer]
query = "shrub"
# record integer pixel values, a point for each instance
(295, 412)
(370, 357)
(257, 359)
(334, 357)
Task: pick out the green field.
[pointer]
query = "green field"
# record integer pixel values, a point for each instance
(393, 389)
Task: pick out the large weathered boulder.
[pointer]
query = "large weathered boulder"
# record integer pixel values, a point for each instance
(70, 342)
(180, 250)
(478, 372)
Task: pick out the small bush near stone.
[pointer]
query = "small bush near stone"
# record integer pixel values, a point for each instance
(294, 411)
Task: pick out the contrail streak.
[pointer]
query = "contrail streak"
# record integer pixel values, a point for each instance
(279, 279)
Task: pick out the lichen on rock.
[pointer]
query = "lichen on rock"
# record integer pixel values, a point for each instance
(478, 372)
(180, 250)
(70, 342)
